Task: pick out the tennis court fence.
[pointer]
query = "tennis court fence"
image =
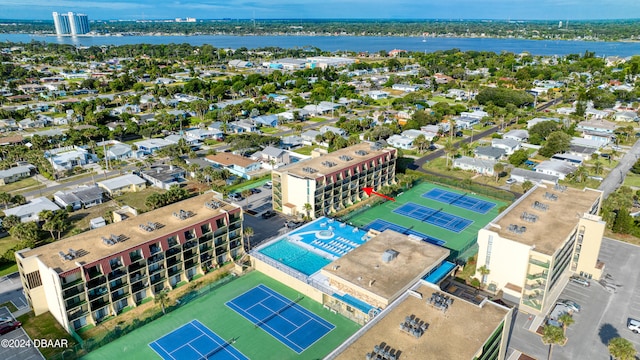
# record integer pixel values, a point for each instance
(85, 346)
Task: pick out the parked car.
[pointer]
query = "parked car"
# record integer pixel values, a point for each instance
(236, 197)
(268, 214)
(256, 191)
(268, 184)
(634, 325)
(570, 304)
(580, 281)
(511, 181)
(9, 326)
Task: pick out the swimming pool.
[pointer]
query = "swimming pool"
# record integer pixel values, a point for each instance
(311, 247)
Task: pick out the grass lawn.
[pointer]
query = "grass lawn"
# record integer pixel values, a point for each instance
(632, 179)
(439, 165)
(211, 310)
(6, 243)
(306, 150)
(10, 306)
(317, 119)
(45, 326)
(136, 199)
(443, 99)
(80, 219)
(6, 269)
(269, 130)
(250, 184)
(21, 184)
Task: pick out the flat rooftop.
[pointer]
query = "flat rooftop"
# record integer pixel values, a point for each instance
(552, 226)
(335, 161)
(364, 264)
(90, 247)
(457, 334)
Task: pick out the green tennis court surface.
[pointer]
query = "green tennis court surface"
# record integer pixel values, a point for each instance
(210, 310)
(459, 242)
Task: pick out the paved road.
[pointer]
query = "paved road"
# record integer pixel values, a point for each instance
(616, 176)
(65, 185)
(17, 337)
(11, 290)
(418, 163)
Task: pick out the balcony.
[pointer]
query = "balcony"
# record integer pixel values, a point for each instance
(539, 263)
(116, 297)
(74, 304)
(96, 282)
(73, 291)
(138, 286)
(189, 264)
(155, 259)
(135, 257)
(77, 314)
(70, 284)
(174, 271)
(155, 270)
(136, 266)
(220, 231)
(94, 294)
(117, 274)
(99, 304)
(157, 279)
(535, 286)
(542, 275)
(95, 274)
(119, 285)
(173, 261)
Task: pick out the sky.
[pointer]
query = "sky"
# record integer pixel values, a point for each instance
(333, 9)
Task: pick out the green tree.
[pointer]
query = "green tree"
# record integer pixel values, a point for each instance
(557, 142)
(543, 129)
(597, 167)
(25, 232)
(248, 232)
(622, 349)
(527, 185)
(162, 298)
(498, 168)
(449, 149)
(552, 335)
(567, 320)
(623, 222)
(307, 209)
(483, 271)
(518, 157)
(10, 221)
(5, 199)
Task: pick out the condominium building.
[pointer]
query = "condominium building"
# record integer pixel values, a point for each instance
(333, 181)
(532, 248)
(85, 278)
(71, 23)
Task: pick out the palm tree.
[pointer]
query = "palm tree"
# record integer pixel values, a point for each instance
(552, 335)
(162, 298)
(5, 199)
(484, 271)
(622, 349)
(449, 149)
(307, 208)
(567, 320)
(245, 194)
(498, 168)
(248, 233)
(420, 142)
(527, 185)
(597, 167)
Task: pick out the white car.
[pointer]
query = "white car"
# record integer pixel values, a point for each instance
(511, 181)
(634, 325)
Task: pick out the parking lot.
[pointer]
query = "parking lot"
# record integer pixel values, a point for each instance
(10, 350)
(604, 314)
(11, 291)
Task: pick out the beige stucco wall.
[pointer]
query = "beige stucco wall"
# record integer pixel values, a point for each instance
(593, 232)
(508, 262)
(294, 191)
(288, 280)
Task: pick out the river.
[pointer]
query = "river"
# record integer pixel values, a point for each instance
(354, 43)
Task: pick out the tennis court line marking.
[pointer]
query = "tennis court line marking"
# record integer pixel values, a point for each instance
(242, 312)
(189, 343)
(163, 349)
(314, 317)
(194, 322)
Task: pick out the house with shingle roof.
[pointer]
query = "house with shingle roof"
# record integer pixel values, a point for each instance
(236, 164)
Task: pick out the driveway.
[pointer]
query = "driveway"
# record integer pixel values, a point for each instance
(17, 345)
(604, 314)
(616, 176)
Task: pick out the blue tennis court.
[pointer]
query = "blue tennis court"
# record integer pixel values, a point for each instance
(285, 320)
(194, 341)
(461, 201)
(434, 217)
(381, 225)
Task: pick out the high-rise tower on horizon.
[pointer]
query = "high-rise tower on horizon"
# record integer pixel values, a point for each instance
(71, 23)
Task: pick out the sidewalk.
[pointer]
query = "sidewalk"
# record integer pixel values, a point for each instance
(45, 181)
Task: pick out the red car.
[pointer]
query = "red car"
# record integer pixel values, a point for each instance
(9, 326)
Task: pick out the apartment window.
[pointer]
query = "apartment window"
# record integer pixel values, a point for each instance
(115, 262)
(33, 279)
(173, 241)
(206, 228)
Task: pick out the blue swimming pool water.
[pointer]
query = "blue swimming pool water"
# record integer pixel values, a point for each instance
(440, 272)
(328, 237)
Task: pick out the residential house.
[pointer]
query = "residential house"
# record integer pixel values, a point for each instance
(413, 134)
(626, 115)
(69, 157)
(509, 145)
(537, 120)
(242, 126)
(11, 140)
(16, 173)
(476, 114)
(457, 94)
(175, 139)
(406, 87)
(556, 168)
(83, 197)
(574, 160)
(292, 142)
(309, 136)
(164, 176)
(517, 135)
(489, 153)
(588, 143)
(204, 134)
(294, 115)
(463, 122)
(377, 94)
(31, 211)
(273, 155)
(123, 184)
(522, 175)
(150, 146)
(240, 64)
(236, 164)
(480, 166)
(581, 151)
(596, 114)
(266, 120)
(119, 151)
(597, 126)
(336, 130)
(400, 142)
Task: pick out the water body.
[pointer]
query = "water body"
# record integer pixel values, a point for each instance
(354, 43)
